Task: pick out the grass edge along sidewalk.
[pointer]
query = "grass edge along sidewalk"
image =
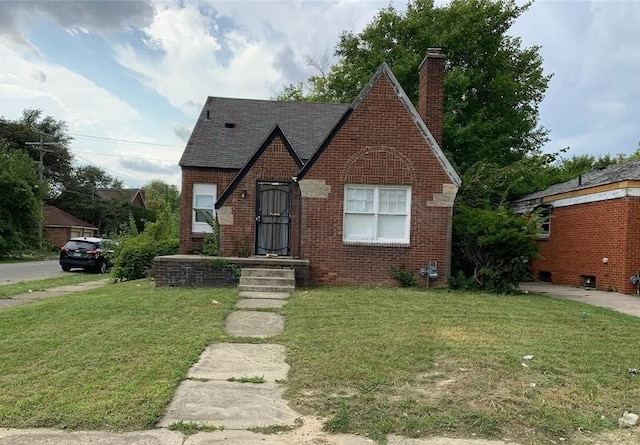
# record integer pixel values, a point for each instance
(109, 358)
(422, 363)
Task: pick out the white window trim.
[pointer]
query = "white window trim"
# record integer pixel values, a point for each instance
(202, 189)
(376, 195)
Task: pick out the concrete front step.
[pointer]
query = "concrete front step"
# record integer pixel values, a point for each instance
(280, 273)
(259, 295)
(267, 281)
(265, 288)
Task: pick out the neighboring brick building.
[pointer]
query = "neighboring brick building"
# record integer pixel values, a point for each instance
(60, 226)
(592, 236)
(355, 189)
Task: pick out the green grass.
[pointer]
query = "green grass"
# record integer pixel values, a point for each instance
(245, 379)
(110, 358)
(375, 361)
(9, 290)
(190, 428)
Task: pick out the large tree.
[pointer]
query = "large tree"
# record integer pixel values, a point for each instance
(493, 85)
(20, 201)
(33, 126)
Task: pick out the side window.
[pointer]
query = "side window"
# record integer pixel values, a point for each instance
(204, 198)
(545, 222)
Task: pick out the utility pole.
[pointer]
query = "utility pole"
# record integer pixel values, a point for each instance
(40, 147)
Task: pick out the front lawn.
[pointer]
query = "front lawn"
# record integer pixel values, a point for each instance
(109, 358)
(418, 363)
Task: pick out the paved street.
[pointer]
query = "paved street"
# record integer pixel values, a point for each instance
(33, 270)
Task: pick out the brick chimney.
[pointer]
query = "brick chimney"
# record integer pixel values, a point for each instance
(431, 92)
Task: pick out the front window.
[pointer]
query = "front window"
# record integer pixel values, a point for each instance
(545, 222)
(376, 214)
(204, 198)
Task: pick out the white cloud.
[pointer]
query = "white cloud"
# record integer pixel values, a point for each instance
(240, 49)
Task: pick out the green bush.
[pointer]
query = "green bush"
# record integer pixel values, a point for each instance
(404, 277)
(134, 254)
(134, 258)
(492, 248)
(211, 241)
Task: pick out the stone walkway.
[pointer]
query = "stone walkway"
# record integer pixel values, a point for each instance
(212, 394)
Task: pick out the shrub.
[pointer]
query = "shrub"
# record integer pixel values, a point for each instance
(211, 241)
(134, 257)
(493, 248)
(134, 254)
(404, 277)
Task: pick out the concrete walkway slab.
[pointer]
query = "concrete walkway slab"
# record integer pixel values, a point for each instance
(267, 295)
(233, 437)
(230, 404)
(627, 304)
(255, 303)
(221, 361)
(254, 324)
(58, 437)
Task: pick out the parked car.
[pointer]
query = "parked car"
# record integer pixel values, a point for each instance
(86, 253)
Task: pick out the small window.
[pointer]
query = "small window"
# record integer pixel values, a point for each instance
(376, 214)
(204, 198)
(545, 222)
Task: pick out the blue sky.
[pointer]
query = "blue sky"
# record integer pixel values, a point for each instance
(130, 77)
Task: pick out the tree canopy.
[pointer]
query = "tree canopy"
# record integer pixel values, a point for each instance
(33, 126)
(20, 201)
(493, 85)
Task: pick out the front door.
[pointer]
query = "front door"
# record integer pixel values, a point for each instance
(273, 214)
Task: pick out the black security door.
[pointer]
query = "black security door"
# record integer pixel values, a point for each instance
(273, 215)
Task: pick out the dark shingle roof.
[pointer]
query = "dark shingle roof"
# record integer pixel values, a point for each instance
(56, 217)
(626, 171)
(212, 144)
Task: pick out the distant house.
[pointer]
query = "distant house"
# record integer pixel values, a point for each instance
(133, 197)
(353, 188)
(60, 226)
(592, 237)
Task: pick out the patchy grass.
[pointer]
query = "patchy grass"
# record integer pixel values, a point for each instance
(45, 254)
(245, 379)
(109, 358)
(190, 428)
(276, 428)
(418, 363)
(9, 290)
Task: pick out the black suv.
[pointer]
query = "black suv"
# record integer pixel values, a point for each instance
(86, 253)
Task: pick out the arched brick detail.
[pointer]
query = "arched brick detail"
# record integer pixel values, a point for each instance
(378, 165)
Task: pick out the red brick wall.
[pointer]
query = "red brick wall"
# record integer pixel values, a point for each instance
(431, 93)
(378, 145)
(275, 164)
(582, 235)
(191, 241)
(57, 236)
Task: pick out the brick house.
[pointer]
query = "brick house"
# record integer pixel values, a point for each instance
(353, 188)
(591, 237)
(59, 226)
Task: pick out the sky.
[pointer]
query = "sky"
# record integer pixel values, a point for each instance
(130, 77)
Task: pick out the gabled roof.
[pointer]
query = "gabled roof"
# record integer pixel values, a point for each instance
(276, 132)
(626, 171)
(122, 195)
(54, 216)
(384, 70)
(235, 127)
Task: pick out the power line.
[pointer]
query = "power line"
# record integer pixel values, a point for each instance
(40, 147)
(111, 171)
(124, 156)
(105, 139)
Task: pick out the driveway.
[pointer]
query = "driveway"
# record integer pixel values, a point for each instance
(628, 304)
(30, 270)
